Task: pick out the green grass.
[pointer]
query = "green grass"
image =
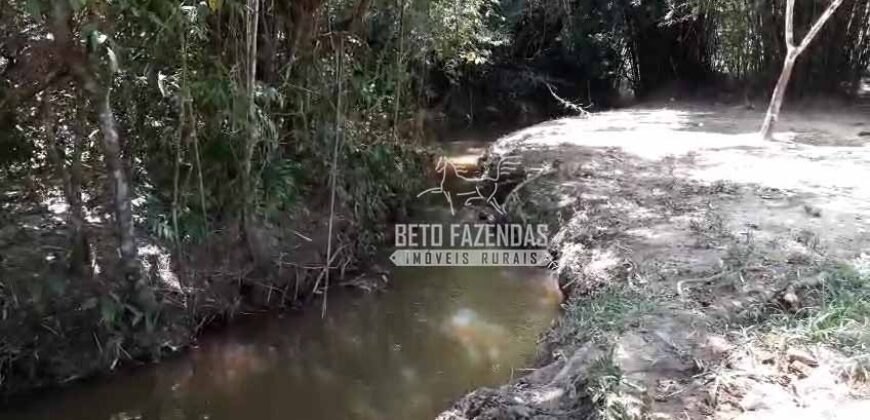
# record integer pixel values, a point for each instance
(610, 310)
(834, 311)
(842, 314)
(607, 388)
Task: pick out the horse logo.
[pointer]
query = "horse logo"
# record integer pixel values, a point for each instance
(485, 187)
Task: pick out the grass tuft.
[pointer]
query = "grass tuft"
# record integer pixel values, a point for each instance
(842, 315)
(607, 388)
(609, 310)
(834, 310)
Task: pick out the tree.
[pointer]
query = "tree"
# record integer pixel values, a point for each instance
(85, 72)
(792, 53)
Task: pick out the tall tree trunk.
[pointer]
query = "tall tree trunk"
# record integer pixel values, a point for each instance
(793, 52)
(251, 135)
(778, 95)
(256, 244)
(77, 211)
(120, 187)
(79, 261)
(399, 71)
(85, 75)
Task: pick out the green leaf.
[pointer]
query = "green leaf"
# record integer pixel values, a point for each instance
(34, 9)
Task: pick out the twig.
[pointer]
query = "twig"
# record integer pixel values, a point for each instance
(324, 269)
(301, 235)
(702, 280)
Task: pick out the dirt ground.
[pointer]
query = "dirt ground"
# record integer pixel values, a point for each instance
(693, 253)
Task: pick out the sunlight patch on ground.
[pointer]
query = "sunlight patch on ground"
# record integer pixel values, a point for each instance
(840, 180)
(650, 134)
(720, 146)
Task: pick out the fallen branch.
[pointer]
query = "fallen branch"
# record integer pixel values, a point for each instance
(702, 280)
(568, 104)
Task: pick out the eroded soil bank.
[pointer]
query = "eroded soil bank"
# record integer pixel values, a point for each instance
(710, 274)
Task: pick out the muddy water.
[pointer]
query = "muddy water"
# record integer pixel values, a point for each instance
(404, 353)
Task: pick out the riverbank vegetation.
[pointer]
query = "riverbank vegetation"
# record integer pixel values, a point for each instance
(168, 164)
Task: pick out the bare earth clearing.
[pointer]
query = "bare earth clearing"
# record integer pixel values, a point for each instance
(699, 260)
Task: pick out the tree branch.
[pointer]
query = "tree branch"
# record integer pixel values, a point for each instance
(789, 24)
(818, 25)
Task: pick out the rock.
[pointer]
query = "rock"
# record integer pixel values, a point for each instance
(765, 396)
(813, 211)
(799, 257)
(718, 347)
(578, 364)
(544, 375)
(791, 299)
(801, 369)
(764, 356)
(802, 356)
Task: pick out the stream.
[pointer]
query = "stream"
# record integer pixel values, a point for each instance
(404, 353)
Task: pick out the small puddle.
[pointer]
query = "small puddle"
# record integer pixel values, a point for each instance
(405, 353)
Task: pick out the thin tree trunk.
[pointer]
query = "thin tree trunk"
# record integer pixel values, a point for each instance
(334, 172)
(250, 82)
(399, 70)
(120, 187)
(778, 95)
(255, 245)
(793, 52)
(86, 78)
(77, 211)
(80, 255)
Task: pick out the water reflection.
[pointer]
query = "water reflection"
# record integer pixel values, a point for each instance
(402, 354)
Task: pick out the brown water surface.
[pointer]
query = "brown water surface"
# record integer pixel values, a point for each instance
(405, 353)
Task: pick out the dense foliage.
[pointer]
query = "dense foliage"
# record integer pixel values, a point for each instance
(235, 136)
(202, 139)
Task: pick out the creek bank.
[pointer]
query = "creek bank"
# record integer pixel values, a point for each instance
(426, 337)
(696, 288)
(82, 329)
(58, 326)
